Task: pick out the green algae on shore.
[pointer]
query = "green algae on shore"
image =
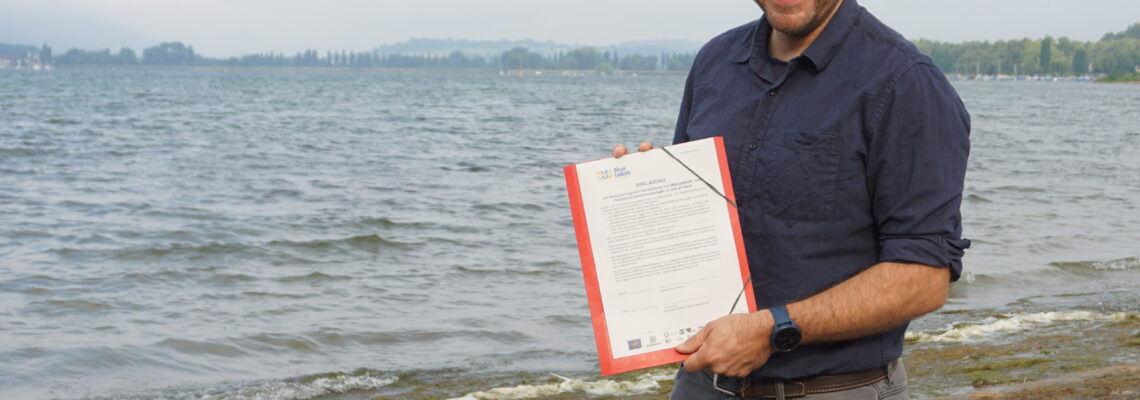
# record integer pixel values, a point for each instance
(1111, 383)
(1049, 355)
(1052, 352)
(1126, 77)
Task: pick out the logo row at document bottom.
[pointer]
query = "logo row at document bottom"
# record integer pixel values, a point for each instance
(672, 338)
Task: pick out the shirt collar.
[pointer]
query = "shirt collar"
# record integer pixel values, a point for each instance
(827, 45)
(821, 51)
(742, 48)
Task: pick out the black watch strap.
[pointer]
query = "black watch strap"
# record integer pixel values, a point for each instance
(786, 336)
(780, 314)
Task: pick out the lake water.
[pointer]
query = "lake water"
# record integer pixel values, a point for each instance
(291, 234)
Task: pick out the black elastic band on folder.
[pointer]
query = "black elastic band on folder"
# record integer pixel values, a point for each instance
(699, 177)
(730, 202)
(738, 295)
(733, 204)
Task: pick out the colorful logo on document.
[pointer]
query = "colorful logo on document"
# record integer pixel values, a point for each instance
(616, 172)
(635, 344)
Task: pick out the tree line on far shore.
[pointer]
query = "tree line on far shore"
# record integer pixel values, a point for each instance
(1114, 54)
(177, 53)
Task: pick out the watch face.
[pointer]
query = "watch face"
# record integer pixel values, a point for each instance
(787, 339)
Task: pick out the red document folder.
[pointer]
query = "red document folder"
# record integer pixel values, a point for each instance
(605, 344)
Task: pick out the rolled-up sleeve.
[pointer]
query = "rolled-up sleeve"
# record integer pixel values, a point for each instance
(916, 166)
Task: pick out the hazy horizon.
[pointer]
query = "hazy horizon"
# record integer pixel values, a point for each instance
(218, 28)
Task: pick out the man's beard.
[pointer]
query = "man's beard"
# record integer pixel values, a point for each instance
(820, 12)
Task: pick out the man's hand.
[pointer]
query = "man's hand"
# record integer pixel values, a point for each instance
(620, 150)
(733, 345)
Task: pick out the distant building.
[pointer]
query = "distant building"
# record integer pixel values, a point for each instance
(30, 61)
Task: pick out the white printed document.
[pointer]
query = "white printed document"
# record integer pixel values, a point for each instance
(661, 250)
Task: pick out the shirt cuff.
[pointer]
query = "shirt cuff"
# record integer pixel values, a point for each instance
(933, 250)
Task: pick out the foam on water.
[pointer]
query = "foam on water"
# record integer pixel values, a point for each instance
(1010, 323)
(1119, 264)
(604, 387)
(275, 390)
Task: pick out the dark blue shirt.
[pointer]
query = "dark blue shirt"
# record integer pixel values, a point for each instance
(850, 155)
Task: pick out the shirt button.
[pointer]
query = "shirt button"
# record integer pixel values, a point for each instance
(752, 146)
(772, 92)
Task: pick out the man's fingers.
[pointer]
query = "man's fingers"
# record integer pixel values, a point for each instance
(694, 343)
(619, 150)
(696, 362)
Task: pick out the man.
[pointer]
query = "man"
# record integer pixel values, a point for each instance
(847, 150)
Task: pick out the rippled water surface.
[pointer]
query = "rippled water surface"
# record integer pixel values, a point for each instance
(190, 233)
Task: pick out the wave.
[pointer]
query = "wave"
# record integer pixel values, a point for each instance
(282, 193)
(197, 348)
(371, 242)
(167, 275)
(34, 280)
(274, 342)
(1008, 323)
(568, 320)
(466, 167)
(975, 198)
(1119, 264)
(506, 271)
(388, 224)
(383, 222)
(333, 339)
(229, 279)
(62, 121)
(1021, 189)
(315, 276)
(65, 307)
(304, 388)
(274, 295)
(28, 151)
(162, 252)
(503, 206)
(9, 171)
(602, 387)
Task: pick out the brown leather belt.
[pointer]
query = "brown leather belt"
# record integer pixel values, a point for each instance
(794, 388)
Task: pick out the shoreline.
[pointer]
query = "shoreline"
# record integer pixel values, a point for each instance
(1065, 359)
(1107, 382)
(538, 72)
(425, 71)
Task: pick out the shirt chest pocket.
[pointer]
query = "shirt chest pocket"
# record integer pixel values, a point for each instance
(798, 174)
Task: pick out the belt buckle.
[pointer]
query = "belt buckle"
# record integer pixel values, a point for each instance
(716, 385)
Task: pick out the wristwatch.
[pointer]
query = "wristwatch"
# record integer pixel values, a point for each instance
(786, 336)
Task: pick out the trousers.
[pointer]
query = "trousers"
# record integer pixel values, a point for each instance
(699, 386)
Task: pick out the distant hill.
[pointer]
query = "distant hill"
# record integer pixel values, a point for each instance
(496, 47)
(39, 22)
(473, 47)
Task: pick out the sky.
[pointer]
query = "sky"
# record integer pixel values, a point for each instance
(223, 28)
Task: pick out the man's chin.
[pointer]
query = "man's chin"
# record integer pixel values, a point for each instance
(792, 26)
